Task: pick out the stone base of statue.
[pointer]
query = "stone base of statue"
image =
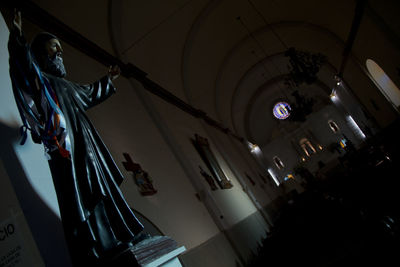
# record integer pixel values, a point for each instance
(168, 260)
(150, 252)
(157, 251)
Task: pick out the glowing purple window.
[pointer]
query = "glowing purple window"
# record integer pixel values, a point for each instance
(281, 110)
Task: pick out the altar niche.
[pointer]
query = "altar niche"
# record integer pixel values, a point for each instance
(203, 147)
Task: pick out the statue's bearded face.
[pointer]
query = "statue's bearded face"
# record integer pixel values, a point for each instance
(54, 62)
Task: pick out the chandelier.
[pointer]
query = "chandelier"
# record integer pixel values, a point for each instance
(303, 67)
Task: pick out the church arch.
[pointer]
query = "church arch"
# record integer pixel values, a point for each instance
(307, 147)
(278, 162)
(385, 85)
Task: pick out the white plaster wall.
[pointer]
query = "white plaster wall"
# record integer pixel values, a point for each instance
(239, 212)
(28, 198)
(31, 155)
(15, 232)
(242, 162)
(233, 203)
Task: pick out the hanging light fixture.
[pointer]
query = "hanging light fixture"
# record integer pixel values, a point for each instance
(254, 148)
(303, 66)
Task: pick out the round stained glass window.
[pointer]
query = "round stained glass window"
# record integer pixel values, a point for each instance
(281, 110)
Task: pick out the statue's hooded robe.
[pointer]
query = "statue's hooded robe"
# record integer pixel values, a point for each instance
(96, 218)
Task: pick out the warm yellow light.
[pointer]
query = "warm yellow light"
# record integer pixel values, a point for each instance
(253, 148)
(303, 159)
(338, 80)
(342, 144)
(320, 147)
(333, 95)
(303, 146)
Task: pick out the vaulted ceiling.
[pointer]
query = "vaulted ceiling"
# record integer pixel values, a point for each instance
(225, 57)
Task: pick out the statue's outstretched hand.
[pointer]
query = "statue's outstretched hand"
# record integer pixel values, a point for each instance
(17, 22)
(114, 72)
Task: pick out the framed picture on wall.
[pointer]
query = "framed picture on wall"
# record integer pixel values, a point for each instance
(209, 179)
(203, 147)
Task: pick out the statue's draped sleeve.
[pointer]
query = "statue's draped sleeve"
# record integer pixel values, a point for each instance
(95, 93)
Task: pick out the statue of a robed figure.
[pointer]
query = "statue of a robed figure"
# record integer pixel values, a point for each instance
(98, 223)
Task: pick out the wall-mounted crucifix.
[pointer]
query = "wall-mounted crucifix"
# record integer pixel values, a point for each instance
(141, 177)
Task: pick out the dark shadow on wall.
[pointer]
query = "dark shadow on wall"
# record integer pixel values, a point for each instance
(45, 226)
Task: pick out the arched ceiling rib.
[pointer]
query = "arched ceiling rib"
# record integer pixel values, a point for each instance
(221, 91)
(248, 94)
(190, 38)
(200, 26)
(237, 93)
(218, 54)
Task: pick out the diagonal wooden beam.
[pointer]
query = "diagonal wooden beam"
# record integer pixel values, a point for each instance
(47, 22)
(358, 14)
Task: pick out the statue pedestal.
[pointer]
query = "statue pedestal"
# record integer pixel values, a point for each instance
(168, 260)
(157, 251)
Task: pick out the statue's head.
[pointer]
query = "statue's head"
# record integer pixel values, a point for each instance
(47, 51)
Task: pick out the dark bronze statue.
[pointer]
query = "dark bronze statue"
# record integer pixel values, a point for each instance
(98, 223)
